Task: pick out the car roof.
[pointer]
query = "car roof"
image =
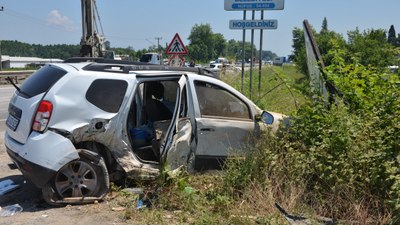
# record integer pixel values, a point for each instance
(128, 67)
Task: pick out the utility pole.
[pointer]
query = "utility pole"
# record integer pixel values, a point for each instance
(159, 49)
(1, 61)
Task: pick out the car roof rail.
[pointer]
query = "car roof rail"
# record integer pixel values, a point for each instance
(121, 66)
(101, 60)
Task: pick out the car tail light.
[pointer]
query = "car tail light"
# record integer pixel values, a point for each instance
(42, 116)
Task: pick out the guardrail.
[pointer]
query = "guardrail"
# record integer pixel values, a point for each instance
(17, 76)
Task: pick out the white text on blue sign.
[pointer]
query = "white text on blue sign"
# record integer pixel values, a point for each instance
(237, 5)
(253, 24)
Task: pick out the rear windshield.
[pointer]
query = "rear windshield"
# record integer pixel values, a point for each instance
(41, 81)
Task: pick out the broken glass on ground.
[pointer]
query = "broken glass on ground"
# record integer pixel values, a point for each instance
(10, 210)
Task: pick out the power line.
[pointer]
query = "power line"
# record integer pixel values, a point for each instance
(149, 41)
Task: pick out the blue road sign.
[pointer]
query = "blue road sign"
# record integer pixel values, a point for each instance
(240, 5)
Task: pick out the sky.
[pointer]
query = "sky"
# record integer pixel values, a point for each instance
(137, 23)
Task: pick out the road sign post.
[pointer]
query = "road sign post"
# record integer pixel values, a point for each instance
(252, 55)
(176, 48)
(260, 60)
(254, 5)
(1, 60)
(243, 51)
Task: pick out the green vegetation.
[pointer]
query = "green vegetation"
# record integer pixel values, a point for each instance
(282, 88)
(16, 48)
(371, 47)
(205, 45)
(339, 161)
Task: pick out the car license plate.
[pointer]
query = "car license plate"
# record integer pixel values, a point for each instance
(12, 122)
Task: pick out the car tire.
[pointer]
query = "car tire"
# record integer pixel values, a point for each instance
(81, 181)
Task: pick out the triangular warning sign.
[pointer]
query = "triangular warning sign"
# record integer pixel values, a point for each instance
(176, 46)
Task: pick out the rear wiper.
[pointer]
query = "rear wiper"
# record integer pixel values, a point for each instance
(16, 87)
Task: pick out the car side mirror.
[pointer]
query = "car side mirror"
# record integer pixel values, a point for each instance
(266, 118)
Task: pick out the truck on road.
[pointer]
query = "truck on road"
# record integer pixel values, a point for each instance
(151, 57)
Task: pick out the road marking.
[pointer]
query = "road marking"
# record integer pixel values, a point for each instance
(1, 120)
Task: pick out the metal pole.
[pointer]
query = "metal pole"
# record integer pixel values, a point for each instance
(243, 51)
(159, 49)
(252, 55)
(260, 63)
(1, 60)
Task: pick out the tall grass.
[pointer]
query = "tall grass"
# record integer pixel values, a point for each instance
(333, 161)
(282, 88)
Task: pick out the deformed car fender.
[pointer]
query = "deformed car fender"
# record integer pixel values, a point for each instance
(108, 133)
(36, 150)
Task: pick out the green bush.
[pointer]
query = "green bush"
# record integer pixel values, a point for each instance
(347, 152)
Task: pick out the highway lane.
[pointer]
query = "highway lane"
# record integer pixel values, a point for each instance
(6, 92)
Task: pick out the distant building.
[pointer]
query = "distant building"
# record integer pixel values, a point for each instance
(8, 62)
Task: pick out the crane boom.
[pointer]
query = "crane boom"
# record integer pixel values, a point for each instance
(92, 42)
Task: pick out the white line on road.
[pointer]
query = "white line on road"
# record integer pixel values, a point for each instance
(1, 120)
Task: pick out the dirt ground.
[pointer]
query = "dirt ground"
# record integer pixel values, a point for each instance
(36, 211)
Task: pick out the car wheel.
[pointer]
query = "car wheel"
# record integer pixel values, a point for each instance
(81, 181)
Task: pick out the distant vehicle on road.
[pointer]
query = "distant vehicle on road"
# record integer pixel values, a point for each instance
(151, 57)
(216, 67)
(278, 61)
(220, 60)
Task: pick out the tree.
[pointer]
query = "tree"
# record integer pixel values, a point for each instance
(324, 25)
(371, 48)
(233, 50)
(392, 39)
(268, 55)
(368, 48)
(201, 39)
(220, 44)
(328, 40)
(299, 56)
(198, 52)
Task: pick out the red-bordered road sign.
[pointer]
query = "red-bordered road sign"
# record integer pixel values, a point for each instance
(176, 61)
(176, 46)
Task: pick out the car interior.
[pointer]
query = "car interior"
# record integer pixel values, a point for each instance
(149, 117)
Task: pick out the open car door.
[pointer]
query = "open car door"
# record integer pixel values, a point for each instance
(175, 149)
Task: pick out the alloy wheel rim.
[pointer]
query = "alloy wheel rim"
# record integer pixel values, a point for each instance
(77, 179)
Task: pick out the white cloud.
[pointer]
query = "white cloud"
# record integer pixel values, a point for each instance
(56, 19)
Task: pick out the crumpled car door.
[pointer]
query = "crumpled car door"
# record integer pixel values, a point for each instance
(176, 146)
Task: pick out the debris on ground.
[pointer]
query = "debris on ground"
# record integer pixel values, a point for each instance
(300, 220)
(10, 210)
(7, 186)
(134, 190)
(119, 208)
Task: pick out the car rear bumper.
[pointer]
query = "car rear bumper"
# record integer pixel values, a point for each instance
(38, 175)
(41, 156)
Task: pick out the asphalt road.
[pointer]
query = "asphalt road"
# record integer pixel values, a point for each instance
(5, 94)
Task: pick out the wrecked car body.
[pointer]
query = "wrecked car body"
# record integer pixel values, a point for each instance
(75, 126)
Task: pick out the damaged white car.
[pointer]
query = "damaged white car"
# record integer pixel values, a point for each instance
(75, 126)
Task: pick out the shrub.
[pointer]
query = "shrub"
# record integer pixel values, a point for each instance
(345, 156)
